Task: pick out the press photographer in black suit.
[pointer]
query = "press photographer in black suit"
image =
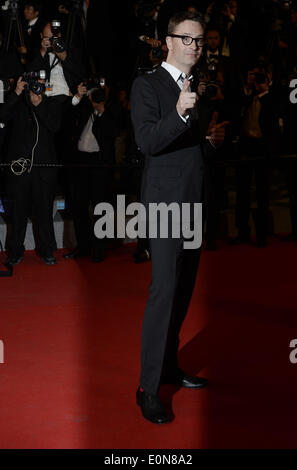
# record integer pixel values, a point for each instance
(166, 125)
(33, 25)
(64, 70)
(97, 126)
(34, 120)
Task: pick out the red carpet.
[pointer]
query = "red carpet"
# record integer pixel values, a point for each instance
(71, 337)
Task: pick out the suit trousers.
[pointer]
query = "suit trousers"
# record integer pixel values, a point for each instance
(88, 187)
(32, 195)
(174, 271)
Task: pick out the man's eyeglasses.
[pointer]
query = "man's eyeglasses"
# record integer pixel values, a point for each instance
(187, 40)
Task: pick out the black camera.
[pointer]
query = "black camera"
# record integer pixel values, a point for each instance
(91, 83)
(211, 83)
(57, 44)
(31, 78)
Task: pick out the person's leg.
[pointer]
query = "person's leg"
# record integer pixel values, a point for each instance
(43, 192)
(80, 208)
(165, 261)
(100, 187)
(19, 204)
(188, 264)
(244, 178)
(262, 193)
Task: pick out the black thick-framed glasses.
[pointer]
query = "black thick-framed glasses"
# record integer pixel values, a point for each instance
(187, 40)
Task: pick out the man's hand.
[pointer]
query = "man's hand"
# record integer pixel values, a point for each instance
(201, 88)
(81, 91)
(216, 132)
(187, 100)
(20, 86)
(22, 50)
(35, 99)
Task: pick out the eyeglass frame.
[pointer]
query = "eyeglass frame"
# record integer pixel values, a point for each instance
(182, 36)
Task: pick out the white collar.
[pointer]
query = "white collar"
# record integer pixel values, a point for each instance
(32, 22)
(174, 72)
(213, 53)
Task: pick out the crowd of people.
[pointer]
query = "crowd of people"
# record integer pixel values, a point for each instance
(67, 71)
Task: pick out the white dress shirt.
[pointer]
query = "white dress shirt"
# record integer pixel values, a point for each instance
(178, 76)
(88, 142)
(57, 80)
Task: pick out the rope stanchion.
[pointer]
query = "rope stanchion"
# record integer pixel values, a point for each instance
(25, 163)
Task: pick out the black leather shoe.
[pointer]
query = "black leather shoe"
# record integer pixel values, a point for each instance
(49, 260)
(76, 253)
(14, 260)
(186, 381)
(151, 408)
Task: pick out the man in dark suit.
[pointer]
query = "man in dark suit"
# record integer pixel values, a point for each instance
(64, 70)
(32, 29)
(165, 120)
(95, 132)
(34, 121)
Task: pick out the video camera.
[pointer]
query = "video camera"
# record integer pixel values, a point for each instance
(57, 45)
(31, 78)
(12, 5)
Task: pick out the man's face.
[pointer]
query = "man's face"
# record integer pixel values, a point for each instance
(181, 56)
(47, 32)
(213, 40)
(29, 13)
(293, 16)
(233, 7)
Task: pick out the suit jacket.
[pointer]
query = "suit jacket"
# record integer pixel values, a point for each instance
(268, 121)
(105, 128)
(23, 128)
(33, 40)
(173, 153)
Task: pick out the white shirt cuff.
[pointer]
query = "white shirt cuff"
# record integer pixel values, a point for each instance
(75, 100)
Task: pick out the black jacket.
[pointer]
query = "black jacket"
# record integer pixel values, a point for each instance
(23, 128)
(105, 127)
(174, 165)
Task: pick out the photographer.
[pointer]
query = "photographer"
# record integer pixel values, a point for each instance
(259, 142)
(33, 25)
(63, 67)
(34, 120)
(96, 129)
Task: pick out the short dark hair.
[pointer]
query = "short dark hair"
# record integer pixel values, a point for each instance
(33, 3)
(182, 16)
(213, 27)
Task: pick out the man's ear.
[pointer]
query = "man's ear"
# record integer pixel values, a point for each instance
(169, 43)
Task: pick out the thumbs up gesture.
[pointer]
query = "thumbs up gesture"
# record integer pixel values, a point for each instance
(187, 100)
(216, 132)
